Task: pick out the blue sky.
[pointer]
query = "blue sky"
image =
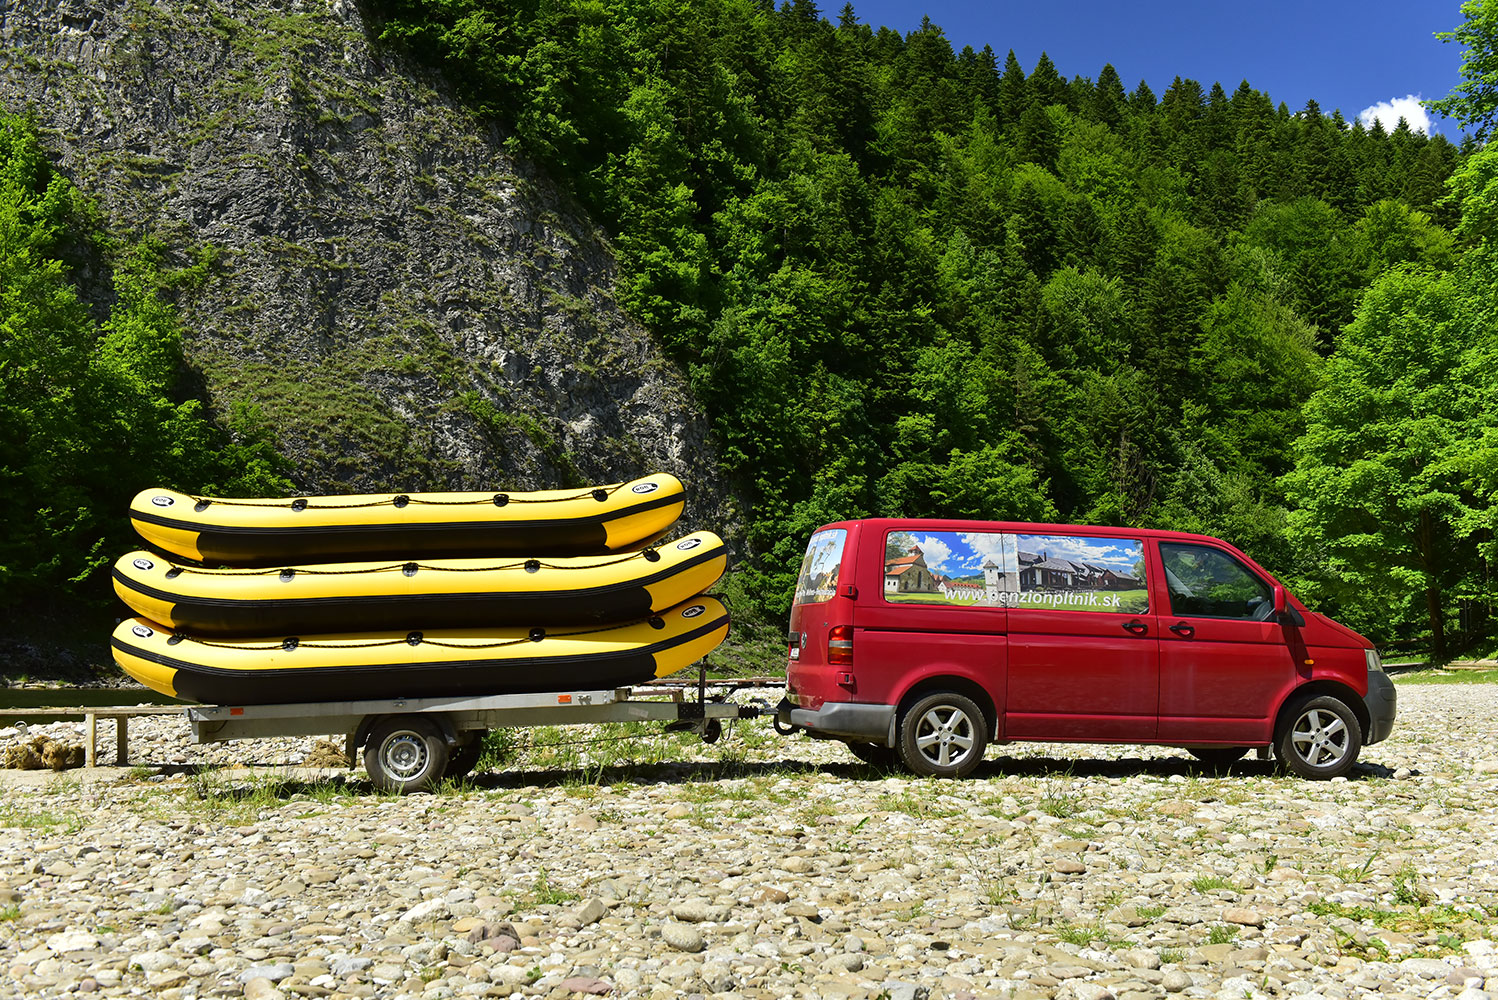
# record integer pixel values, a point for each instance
(1344, 54)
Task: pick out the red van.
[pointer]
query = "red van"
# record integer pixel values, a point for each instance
(922, 641)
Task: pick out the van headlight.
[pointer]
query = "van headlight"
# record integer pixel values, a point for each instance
(1375, 665)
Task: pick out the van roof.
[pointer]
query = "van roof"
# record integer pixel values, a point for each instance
(1019, 527)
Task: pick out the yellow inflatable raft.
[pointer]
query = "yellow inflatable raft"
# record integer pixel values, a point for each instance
(424, 664)
(427, 594)
(265, 532)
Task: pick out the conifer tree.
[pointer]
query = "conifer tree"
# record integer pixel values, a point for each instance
(1014, 93)
(1046, 85)
(1109, 99)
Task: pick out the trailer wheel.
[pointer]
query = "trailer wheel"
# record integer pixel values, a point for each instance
(405, 753)
(466, 757)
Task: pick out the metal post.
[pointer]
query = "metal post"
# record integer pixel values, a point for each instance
(91, 743)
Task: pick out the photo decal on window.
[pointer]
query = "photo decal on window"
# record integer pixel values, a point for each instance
(823, 561)
(1012, 570)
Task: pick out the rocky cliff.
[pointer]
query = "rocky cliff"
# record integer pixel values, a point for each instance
(410, 306)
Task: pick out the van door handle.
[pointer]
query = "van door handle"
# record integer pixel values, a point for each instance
(1183, 630)
(1136, 626)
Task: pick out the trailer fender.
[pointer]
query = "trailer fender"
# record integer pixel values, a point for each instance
(444, 722)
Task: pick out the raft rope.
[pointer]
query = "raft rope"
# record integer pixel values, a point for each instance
(408, 568)
(600, 493)
(410, 639)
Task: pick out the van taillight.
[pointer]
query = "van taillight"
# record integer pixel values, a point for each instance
(840, 646)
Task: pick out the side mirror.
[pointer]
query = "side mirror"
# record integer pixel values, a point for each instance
(1283, 613)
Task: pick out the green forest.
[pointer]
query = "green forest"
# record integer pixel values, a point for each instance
(910, 280)
(92, 408)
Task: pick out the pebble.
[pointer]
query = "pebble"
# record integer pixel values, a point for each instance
(682, 937)
(758, 868)
(262, 989)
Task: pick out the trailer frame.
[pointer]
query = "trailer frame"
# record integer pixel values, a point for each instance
(410, 741)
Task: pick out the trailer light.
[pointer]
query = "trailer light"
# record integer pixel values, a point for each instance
(840, 646)
(564, 699)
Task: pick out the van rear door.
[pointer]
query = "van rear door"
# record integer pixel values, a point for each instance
(821, 618)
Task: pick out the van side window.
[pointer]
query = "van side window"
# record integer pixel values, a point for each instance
(1007, 570)
(959, 568)
(1078, 573)
(1208, 583)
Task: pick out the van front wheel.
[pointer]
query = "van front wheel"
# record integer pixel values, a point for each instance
(1321, 738)
(943, 735)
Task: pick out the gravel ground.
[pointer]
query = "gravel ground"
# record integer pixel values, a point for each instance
(656, 866)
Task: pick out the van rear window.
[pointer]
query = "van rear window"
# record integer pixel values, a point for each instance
(819, 568)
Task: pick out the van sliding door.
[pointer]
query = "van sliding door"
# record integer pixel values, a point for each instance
(1084, 659)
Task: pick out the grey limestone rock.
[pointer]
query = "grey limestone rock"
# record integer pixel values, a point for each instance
(409, 305)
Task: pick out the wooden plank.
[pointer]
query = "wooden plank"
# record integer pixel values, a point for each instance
(83, 711)
(91, 714)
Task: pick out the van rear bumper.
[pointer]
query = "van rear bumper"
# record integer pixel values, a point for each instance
(841, 719)
(1382, 701)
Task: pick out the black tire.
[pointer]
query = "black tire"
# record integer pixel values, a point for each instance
(1218, 758)
(874, 754)
(943, 735)
(1320, 738)
(465, 758)
(405, 753)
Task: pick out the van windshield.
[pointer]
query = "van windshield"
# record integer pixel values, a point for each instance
(819, 569)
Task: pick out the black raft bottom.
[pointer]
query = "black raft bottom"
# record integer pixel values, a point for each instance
(402, 680)
(399, 612)
(275, 546)
(456, 677)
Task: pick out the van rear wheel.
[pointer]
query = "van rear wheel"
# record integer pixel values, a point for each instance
(1321, 738)
(943, 735)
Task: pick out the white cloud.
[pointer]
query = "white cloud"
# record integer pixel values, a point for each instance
(1104, 552)
(1389, 113)
(991, 545)
(937, 553)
